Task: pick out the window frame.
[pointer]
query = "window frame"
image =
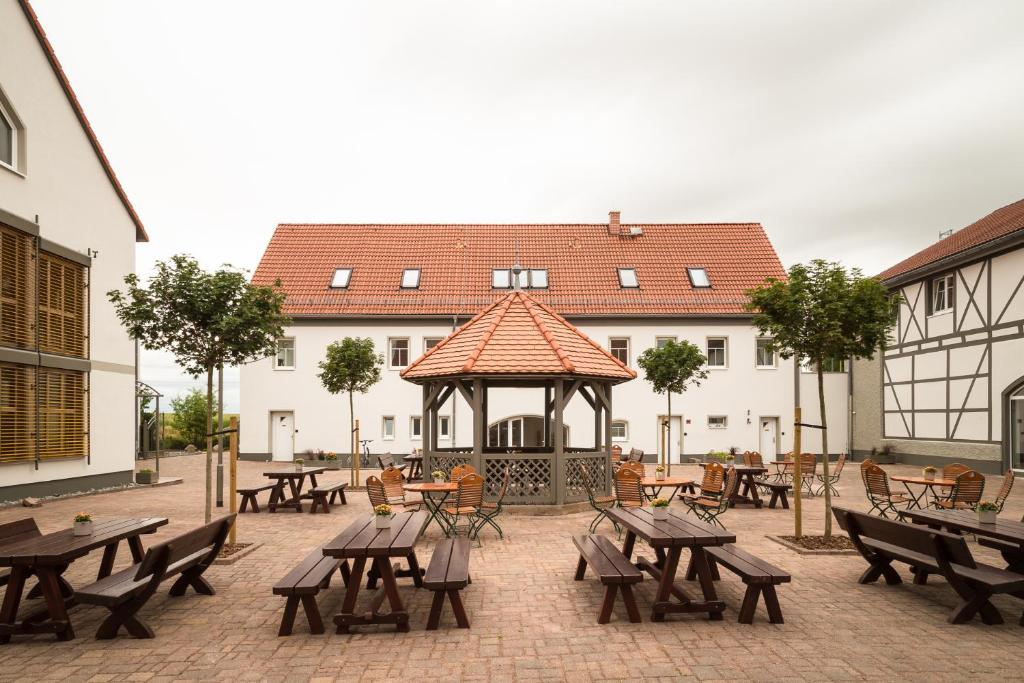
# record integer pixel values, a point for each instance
(391, 351)
(444, 427)
(334, 277)
(533, 284)
(277, 355)
(414, 434)
(436, 340)
(949, 293)
(724, 418)
(693, 283)
(775, 355)
(622, 283)
(666, 338)
(384, 419)
(725, 351)
(611, 350)
(405, 272)
(829, 367)
(7, 115)
(508, 277)
(625, 430)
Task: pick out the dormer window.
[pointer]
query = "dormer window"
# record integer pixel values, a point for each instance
(698, 278)
(535, 278)
(411, 278)
(627, 278)
(341, 278)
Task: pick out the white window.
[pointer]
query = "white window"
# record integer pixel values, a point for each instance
(501, 279)
(415, 427)
(532, 278)
(764, 355)
(628, 279)
(411, 278)
(398, 352)
(717, 422)
(430, 342)
(387, 428)
(341, 278)
(444, 424)
(833, 365)
(717, 352)
(699, 277)
(285, 359)
(661, 341)
(620, 430)
(538, 279)
(943, 293)
(8, 137)
(619, 347)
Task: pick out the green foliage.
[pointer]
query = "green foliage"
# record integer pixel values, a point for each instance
(190, 417)
(822, 312)
(351, 366)
(673, 367)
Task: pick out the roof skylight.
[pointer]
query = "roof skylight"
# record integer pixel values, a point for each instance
(628, 279)
(698, 277)
(411, 278)
(341, 278)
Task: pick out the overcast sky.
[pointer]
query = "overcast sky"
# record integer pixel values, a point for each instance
(854, 131)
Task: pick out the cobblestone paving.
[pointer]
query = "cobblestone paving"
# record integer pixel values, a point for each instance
(530, 620)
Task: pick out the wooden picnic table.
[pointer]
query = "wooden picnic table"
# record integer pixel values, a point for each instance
(668, 538)
(434, 498)
(747, 494)
(966, 521)
(296, 479)
(362, 541)
(927, 484)
(48, 557)
(415, 466)
(656, 485)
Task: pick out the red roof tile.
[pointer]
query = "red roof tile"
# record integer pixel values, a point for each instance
(517, 335)
(999, 223)
(456, 263)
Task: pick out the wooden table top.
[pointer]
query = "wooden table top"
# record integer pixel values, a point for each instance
(286, 474)
(744, 469)
(1008, 530)
(913, 479)
(62, 547)
(413, 456)
(667, 481)
(363, 539)
(675, 531)
(431, 487)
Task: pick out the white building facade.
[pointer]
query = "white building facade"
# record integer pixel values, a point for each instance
(746, 402)
(68, 233)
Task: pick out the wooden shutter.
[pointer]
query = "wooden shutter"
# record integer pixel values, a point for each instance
(62, 306)
(17, 285)
(17, 412)
(63, 414)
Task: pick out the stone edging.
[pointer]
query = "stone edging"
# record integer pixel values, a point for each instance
(804, 551)
(235, 557)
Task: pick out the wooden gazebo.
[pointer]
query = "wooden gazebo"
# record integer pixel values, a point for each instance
(519, 342)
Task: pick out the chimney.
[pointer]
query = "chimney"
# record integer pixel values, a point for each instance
(613, 223)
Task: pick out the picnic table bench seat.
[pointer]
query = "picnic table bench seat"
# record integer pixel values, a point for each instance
(319, 495)
(249, 496)
(447, 574)
(303, 583)
(614, 570)
(930, 551)
(125, 592)
(780, 493)
(760, 577)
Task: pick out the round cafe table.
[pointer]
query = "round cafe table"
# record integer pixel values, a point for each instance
(657, 484)
(928, 485)
(434, 498)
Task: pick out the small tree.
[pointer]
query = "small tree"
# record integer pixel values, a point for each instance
(823, 313)
(190, 416)
(671, 369)
(204, 319)
(352, 365)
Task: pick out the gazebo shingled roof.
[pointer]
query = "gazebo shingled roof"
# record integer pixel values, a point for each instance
(515, 336)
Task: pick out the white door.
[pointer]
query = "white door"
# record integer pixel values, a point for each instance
(282, 436)
(769, 443)
(675, 442)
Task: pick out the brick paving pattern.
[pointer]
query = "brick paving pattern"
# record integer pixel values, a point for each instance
(530, 620)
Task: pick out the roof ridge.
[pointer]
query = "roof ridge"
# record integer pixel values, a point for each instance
(511, 225)
(580, 332)
(474, 355)
(549, 337)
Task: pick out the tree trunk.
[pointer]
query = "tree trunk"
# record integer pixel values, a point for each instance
(667, 454)
(824, 452)
(209, 441)
(352, 438)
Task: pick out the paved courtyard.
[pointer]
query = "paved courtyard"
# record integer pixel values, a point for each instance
(530, 620)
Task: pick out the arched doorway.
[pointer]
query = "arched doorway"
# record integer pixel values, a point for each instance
(1014, 415)
(519, 431)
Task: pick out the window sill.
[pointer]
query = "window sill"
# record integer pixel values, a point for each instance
(291, 369)
(940, 314)
(766, 367)
(718, 367)
(12, 170)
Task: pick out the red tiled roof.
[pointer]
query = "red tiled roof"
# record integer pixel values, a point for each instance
(999, 223)
(456, 263)
(44, 43)
(517, 335)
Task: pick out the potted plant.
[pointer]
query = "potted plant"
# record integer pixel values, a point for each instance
(660, 508)
(145, 476)
(332, 461)
(438, 476)
(987, 512)
(929, 473)
(299, 464)
(659, 472)
(82, 525)
(382, 516)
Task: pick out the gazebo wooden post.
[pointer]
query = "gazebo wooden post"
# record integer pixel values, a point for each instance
(479, 423)
(597, 422)
(559, 443)
(425, 431)
(547, 415)
(608, 435)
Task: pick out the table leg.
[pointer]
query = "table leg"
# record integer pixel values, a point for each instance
(107, 563)
(915, 501)
(436, 514)
(668, 575)
(12, 600)
(351, 594)
(627, 545)
(387, 577)
(312, 482)
(707, 584)
(55, 602)
(296, 496)
(755, 497)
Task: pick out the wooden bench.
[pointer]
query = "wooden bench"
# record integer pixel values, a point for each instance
(387, 460)
(303, 584)
(320, 493)
(249, 496)
(780, 493)
(125, 592)
(760, 577)
(447, 574)
(614, 569)
(884, 541)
